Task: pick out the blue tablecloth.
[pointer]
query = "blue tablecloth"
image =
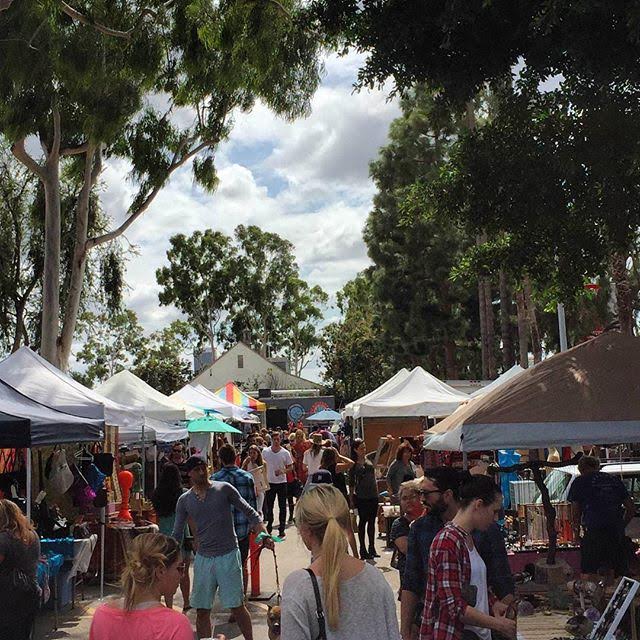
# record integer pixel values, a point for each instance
(49, 568)
(57, 545)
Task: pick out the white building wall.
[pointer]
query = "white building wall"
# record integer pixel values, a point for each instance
(256, 372)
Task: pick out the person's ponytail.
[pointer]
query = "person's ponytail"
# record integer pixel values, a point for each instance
(334, 551)
(324, 510)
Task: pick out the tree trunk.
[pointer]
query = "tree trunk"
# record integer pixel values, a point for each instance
(483, 329)
(20, 328)
(550, 514)
(450, 365)
(490, 330)
(506, 328)
(624, 301)
(523, 329)
(78, 265)
(536, 343)
(51, 273)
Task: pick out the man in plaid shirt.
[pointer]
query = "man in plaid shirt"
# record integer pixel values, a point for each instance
(243, 482)
(450, 606)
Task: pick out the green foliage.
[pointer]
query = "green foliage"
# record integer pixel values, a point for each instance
(246, 290)
(457, 47)
(355, 361)
(20, 261)
(160, 362)
(425, 316)
(552, 179)
(155, 83)
(110, 343)
(199, 279)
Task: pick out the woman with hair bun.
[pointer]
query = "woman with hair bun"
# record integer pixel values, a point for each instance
(340, 587)
(154, 568)
(458, 604)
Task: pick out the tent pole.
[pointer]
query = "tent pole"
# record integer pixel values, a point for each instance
(103, 531)
(562, 327)
(144, 461)
(29, 483)
(155, 465)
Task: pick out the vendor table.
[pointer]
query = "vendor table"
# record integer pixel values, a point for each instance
(118, 538)
(77, 556)
(519, 559)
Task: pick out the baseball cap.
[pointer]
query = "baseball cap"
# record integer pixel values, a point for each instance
(193, 462)
(322, 476)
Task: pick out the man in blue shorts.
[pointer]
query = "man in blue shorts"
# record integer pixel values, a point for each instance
(217, 563)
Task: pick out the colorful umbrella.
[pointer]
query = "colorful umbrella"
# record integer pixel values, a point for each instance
(210, 424)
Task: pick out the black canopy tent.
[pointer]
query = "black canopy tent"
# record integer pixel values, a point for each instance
(31, 424)
(14, 431)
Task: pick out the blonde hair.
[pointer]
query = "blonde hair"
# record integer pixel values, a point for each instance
(148, 553)
(411, 487)
(324, 511)
(300, 436)
(15, 523)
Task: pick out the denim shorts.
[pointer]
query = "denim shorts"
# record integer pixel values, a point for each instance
(209, 574)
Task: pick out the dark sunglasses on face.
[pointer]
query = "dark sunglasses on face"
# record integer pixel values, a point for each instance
(425, 493)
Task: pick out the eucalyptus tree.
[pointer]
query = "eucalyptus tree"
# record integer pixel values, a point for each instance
(155, 83)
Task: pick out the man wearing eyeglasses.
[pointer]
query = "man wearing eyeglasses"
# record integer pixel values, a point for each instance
(439, 490)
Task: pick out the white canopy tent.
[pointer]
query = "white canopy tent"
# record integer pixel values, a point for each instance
(38, 379)
(349, 410)
(499, 381)
(202, 398)
(128, 389)
(417, 394)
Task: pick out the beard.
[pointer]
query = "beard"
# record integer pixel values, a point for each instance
(439, 508)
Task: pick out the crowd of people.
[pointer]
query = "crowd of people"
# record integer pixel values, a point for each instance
(455, 581)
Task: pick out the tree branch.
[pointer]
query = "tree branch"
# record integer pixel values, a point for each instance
(80, 17)
(175, 164)
(19, 152)
(102, 28)
(74, 151)
(5, 4)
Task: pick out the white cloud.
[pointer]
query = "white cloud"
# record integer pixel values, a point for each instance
(306, 180)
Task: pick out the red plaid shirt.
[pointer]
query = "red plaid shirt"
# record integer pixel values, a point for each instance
(449, 568)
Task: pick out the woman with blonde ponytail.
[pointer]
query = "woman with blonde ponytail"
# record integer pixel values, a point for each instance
(346, 587)
(153, 569)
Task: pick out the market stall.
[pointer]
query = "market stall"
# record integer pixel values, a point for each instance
(202, 398)
(129, 390)
(586, 395)
(350, 408)
(402, 408)
(26, 424)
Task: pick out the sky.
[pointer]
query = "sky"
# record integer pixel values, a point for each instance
(305, 180)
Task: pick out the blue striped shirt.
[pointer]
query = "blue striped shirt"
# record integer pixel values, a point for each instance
(243, 482)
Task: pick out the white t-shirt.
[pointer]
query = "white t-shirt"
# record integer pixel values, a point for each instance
(312, 462)
(479, 580)
(279, 460)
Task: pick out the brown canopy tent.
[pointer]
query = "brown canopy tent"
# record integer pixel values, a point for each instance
(588, 394)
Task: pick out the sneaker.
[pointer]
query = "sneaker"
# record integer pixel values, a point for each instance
(282, 534)
(373, 553)
(364, 555)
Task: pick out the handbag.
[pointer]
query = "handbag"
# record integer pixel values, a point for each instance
(322, 635)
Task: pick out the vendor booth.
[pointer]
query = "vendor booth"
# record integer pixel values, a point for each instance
(586, 395)
(203, 399)
(402, 408)
(127, 389)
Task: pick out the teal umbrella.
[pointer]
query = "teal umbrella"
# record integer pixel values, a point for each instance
(210, 424)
